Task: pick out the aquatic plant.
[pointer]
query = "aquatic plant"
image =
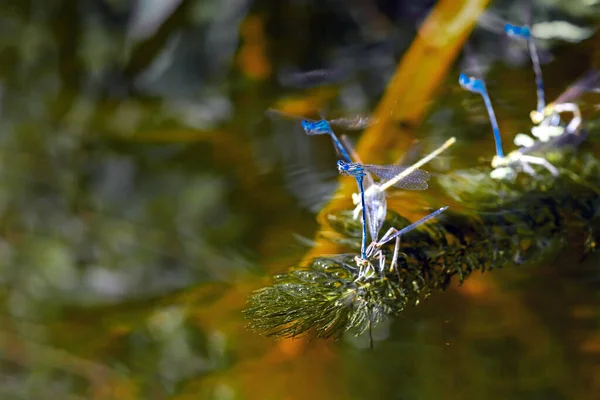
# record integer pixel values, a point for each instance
(501, 223)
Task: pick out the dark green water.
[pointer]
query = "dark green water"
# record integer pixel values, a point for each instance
(143, 195)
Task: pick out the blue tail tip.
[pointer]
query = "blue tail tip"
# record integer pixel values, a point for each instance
(515, 30)
(472, 84)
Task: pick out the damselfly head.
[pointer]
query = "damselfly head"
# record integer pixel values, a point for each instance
(361, 262)
(353, 169)
(342, 167)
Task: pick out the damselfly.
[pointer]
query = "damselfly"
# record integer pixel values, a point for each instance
(323, 127)
(524, 32)
(478, 86)
(516, 161)
(314, 127)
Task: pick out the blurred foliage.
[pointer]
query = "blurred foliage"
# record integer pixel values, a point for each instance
(142, 192)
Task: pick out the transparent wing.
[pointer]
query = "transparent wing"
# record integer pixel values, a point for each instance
(308, 79)
(277, 114)
(356, 122)
(376, 205)
(416, 180)
(587, 82)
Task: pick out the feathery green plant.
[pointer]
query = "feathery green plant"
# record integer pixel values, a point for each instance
(502, 223)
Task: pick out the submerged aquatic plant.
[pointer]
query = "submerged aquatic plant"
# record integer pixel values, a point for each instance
(502, 223)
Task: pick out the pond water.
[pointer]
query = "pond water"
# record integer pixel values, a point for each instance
(144, 195)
